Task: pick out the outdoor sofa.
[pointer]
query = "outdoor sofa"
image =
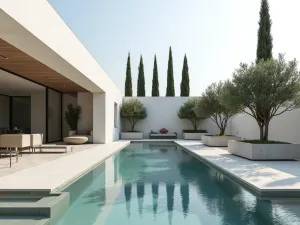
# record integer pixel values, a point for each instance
(153, 135)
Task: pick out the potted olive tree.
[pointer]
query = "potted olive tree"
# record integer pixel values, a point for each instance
(187, 111)
(133, 111)
(264, 91)
(210, 105)
(72, 116)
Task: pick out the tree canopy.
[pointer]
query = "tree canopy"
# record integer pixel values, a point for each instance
(155, 83)
(187, 111)
(128, 80)
(264, 90)
(185, 79)
(265, 39)
(133, 111)
(210, 105)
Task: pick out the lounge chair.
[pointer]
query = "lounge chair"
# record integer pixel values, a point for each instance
(14, 143)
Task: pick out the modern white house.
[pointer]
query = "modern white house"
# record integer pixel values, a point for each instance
(44, 67)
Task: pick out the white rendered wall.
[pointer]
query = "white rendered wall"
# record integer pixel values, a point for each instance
(85, 101)
(285, 127)
(104, 129)
(162, 113)
(30, 25)
(4, 111)
(38, 113)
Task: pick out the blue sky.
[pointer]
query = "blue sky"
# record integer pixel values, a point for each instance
(216, 35)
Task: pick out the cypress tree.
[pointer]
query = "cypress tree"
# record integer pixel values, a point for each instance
(128, 80)
(185, 80)
(141, 79)
(265, 40)
(170, 79)
(155, 83)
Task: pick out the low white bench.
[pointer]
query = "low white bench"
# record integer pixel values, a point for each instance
(163, 136)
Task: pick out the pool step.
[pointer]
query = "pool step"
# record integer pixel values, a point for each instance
(29, 208)
(26, 220)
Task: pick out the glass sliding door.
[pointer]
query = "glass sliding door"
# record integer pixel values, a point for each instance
(54, 115)
(21, 114)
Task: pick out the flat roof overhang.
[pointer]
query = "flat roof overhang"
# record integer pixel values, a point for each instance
(37, 44)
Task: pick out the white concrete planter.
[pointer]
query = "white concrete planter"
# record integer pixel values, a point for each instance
(131, 135)
(264, 151)
(193, 136)
(217, 141)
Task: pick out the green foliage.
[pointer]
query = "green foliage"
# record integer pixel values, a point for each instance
(72, 115)
(194, 131)
(264, 90)
(155, 83)
(185, 80)
(187, 111)
(128, 80)
(265, 40)
(133, 111)
(210, 105)
(141, 80)
(170, 77)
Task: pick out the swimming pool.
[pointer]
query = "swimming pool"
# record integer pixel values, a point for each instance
(159, 183)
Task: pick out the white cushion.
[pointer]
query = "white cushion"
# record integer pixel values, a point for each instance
(15, 140)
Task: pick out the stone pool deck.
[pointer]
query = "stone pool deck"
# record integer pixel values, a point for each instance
(265, 178)
(51, 175)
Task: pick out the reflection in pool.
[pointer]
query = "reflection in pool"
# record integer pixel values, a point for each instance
(159, 183)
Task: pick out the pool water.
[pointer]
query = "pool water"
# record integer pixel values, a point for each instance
(159, 183)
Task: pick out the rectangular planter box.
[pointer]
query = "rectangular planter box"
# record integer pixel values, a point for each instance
(264, 151)
(193, 136)
(131, 135)
(217, 141)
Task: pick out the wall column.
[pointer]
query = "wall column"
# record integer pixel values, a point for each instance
(99, 118)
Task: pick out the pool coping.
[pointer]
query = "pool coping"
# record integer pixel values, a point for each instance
(258, 192)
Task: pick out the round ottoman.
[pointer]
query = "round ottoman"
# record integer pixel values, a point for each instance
(76, 140)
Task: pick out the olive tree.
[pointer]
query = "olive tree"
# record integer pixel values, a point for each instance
(187, 111)
(264, 90)
(211, 106)
(133, 111)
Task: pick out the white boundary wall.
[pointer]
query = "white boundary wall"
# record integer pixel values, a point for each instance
(285, 127)
(162, 113)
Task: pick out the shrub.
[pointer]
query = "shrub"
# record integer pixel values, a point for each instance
(133, 111)
(264, 90)
(187, 111)
(210, 105)
(72, 115)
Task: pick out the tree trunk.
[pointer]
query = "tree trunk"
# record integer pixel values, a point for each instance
(261, 132)
(222, 131)
(266, 133)
(194, 123)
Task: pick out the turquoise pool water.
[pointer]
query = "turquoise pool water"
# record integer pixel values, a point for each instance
(159, 183)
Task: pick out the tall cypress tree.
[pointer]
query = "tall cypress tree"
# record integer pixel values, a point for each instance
(141, 79)
(155, 83)
(185, 80)
(170, 79)
(265, 40)
(128, 80)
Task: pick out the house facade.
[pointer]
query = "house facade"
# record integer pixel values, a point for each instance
(43, 68)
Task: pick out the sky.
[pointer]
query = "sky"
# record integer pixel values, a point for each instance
(216, 35)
